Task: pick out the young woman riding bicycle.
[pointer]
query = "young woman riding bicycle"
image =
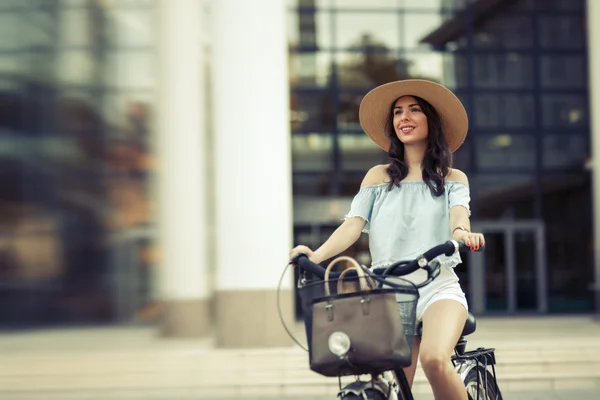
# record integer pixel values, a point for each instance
(411, 204)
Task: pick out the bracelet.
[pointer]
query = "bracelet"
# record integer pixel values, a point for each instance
(461, 228)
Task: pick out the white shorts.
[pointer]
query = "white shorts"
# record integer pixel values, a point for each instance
(445, 286)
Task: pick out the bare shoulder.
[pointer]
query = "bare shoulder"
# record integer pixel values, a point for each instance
(376, 175)
(457, 175)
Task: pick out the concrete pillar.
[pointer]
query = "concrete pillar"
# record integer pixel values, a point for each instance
(252, 170)
(593, 37)
(183, 282)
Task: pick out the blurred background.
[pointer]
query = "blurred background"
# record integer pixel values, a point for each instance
(159, 158)
(80, 112)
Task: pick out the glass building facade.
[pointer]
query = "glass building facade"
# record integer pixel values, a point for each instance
(78, 98)
(76, 94)
(520, 68)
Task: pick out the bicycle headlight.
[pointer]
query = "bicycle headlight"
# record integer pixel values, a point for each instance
(339, 343)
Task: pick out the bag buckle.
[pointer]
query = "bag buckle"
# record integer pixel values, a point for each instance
(329, 309)
(365, 302)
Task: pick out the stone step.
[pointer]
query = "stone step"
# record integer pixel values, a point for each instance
(258, 377)
(266, 375)
(276, 389)
(260, 382)
(272, 364)
(60, 363)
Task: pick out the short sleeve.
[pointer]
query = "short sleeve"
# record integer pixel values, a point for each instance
(362, 205)
(459, 195)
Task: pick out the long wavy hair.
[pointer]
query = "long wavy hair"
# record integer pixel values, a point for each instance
(438, 157)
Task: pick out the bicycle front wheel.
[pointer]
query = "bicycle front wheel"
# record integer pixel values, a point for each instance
(481, 385)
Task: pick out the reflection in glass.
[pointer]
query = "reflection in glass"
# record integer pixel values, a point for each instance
(130, 27)
(9, 30)
(495, 272)
(73, 3)
(362, 4)
(130, 69)
(510, 32)
(81, 177)
(311, 112)
(39, 64)
(565, 150)
(74, 27)
(352, 30)
(307, 4)
(521, 5)
(567, 204)
(9, 64)
(434, 66)
(369, 68)
(498, 195)
(567, 72)
(525, 270)
(410, 5)
(309, 29)
(76, 67)
(507, 71)
(456, 72)
(114, 102)
(312, 152)
(347, 115)
(359, 153)
(564, 110)
(485, 184)
(416, 26)
(505, 152)
(504, 110)
(562, 32)
(309, 69)
(559, 4)
(317, 184)
(39, 34)
(461, 159)
(466, 99)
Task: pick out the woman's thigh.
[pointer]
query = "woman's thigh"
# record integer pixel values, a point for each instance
(443, 323)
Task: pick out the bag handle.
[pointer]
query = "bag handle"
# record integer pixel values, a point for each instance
(362, 281)
(362, 277)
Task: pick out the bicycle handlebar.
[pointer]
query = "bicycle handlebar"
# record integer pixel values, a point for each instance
(399, 268)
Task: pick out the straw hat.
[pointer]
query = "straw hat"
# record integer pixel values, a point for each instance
(376, 107)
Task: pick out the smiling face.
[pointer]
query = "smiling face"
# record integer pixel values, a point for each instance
(409, 121)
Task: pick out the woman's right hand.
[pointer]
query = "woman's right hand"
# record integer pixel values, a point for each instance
(302, 250)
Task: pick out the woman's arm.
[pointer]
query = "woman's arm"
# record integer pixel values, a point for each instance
(459, 219)
(349, 231)
(460, 223)
(342, 238)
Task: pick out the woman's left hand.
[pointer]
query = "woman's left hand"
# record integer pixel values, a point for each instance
(472, 239)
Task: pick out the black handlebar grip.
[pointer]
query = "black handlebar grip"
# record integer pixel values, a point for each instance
(303, 262)
(463, 248)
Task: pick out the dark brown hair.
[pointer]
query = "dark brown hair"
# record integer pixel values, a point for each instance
(438, 157)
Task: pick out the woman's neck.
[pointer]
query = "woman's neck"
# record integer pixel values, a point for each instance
(413, 157)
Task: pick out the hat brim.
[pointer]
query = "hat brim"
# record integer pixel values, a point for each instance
(376, 108)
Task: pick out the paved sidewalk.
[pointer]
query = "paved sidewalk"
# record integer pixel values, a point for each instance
(555, 358)
(533, 395)
(561, 395)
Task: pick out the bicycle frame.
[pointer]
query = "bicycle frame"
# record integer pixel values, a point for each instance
(479, 359)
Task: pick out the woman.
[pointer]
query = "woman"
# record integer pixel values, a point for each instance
(411, 204)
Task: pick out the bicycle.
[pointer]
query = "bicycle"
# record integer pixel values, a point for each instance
(472, 366)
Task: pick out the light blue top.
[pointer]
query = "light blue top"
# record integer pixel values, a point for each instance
(407, 220)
